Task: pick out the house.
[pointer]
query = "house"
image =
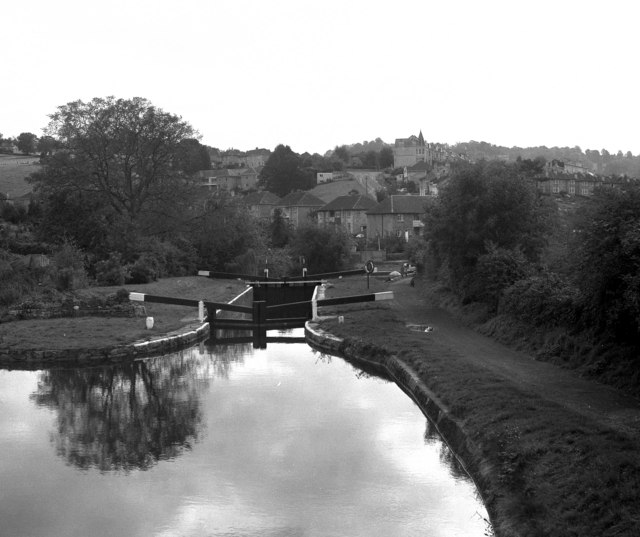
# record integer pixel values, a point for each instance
(349, 212)
(229, 179)
(429, 178)
(409, 151)
(300, 206)
(232, 157)
(324, 177)
(577, 184)
(558, 167)
(256, 158)
(397, 216)
(260, 204)
(570, 179)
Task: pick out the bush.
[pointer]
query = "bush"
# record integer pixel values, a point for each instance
(494, 272)
(144, 270)
(416, 251)
(16, 280)
(169, 258)
(543, 300)
(68, 270)
(121, 296)
(11, 213)
(326, 249)
(111, 271)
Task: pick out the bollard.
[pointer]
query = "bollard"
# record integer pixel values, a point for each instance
(201, 311)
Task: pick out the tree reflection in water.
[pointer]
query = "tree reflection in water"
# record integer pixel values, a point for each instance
(130, 416)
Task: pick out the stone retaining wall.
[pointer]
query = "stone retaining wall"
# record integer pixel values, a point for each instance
(62, 310)
(451, 430)
(37, 358)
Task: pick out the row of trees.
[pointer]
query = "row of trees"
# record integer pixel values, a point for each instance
(492, 239)
(26, 142)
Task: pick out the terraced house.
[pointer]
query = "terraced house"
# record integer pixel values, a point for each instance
(299, 207)
(349, 212)
(397, 216)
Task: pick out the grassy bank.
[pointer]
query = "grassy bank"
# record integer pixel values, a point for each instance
(96, 332)
(14, 169)
(548, 470)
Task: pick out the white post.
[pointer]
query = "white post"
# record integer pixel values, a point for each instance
(314, 305)
(201, 311)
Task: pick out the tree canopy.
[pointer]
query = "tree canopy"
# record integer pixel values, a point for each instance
(484, 204)
(607, 261)
(121, 149)
(26, 142)
(283, 172)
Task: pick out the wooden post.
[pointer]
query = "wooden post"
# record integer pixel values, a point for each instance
(259, 328)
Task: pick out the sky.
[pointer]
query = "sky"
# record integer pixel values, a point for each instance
(313, 75)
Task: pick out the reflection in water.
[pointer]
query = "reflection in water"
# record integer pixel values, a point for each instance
(130, 416)
(447, 457)
(238, 442)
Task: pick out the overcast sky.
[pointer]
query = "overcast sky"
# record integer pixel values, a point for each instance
(313, 75)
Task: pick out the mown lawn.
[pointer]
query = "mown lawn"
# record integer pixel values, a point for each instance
(96, 332)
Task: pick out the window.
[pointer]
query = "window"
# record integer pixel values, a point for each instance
(400, 218)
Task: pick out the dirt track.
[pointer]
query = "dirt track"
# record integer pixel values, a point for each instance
(565, 387)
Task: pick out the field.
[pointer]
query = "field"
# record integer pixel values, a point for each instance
(14, 169)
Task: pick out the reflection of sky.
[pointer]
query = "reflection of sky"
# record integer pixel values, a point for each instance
(292, 446)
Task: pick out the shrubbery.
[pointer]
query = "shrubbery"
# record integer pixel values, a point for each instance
(496, 271)
(68, 268)
(326, 249)
(111, 271)
(545, 300)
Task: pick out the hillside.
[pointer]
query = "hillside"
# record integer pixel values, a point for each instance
(329, 191)
(597, 161)
(14, 169)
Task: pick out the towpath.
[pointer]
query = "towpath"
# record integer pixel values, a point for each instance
(602, 403)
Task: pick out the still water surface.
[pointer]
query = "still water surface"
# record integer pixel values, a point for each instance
(228, 442)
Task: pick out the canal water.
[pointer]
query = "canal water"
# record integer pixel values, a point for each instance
(225, 441)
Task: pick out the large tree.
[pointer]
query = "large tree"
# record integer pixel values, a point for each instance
(607, 261)
(26, 142)
(120, 149)
(489, 204)
(192, 157)
(283, 172)
(325, 248)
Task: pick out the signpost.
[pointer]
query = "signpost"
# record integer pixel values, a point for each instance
(370, 268)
